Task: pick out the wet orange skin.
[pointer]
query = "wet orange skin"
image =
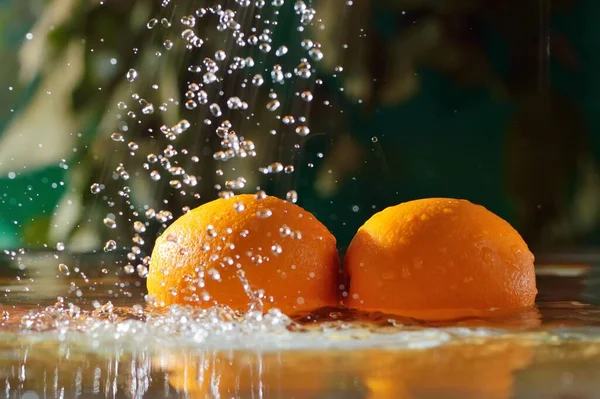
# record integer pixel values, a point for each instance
(280, 248)
(438, 258)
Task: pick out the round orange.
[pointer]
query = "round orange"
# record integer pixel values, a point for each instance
(438, 258)
(206, 257)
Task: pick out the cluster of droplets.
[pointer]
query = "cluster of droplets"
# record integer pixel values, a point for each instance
(206, 91)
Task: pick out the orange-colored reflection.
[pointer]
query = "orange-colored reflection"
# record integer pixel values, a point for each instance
(456, 371)
(246, 374)
(481, 369)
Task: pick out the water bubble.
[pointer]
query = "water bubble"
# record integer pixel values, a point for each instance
(139, 227)
(64, 269)
(302, 130)
(306, 44)
(292, 196)
(117, 137)
(316, 54)
(154, 175)
(148, 109)
(276, 249)
(131, 75)
(129, 269)
(264, 213)
(273, 105)
(202, 97)
(277, 3)
(110, 223)
(299, 6)
(264, 47)
(306, 96)
(285, 231)
(110, 245)
(257, 80)
(211, 231)
(188, 20)
(191, 104)
(239, 206)
(275, 167)
(288, 169)
(277, 74)
(281, 51)
(151, 23)
(96, 188)
(121, 105)
(220, 55)
(60, 246)
(165, 23)
(260, 195)
(288, 120)
(168, 44)
(374, 139)
(209, 77)
(215, 110)
(234, 103)
(303, 70)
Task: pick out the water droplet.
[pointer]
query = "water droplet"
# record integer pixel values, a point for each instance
(316, 54)
(139, 227)
(276, 249)
(288, 120)
(64, 269)
(264, 213)
(220, 55)
(257, 80)
(281, 51)
(60, 246)
(110, 223)
(273, 105)
(306, 96)
(215, 110)
(152, 23)
(154, 175)
(285, 231)
(292, 196)
(306, 44)
(110, 245)
(131, 75)
(264, 47)
(302, 130)
(96, 188)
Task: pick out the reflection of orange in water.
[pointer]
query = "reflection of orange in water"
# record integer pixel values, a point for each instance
(438, 258)
(245, 374)
(280, 247)
(456, 371)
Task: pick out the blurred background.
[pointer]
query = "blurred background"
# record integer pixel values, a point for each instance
(495, 101)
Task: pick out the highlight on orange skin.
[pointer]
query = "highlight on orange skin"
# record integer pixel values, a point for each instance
(438, 258)
(278, 246)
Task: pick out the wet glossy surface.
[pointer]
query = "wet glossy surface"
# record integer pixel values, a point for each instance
(85, 347)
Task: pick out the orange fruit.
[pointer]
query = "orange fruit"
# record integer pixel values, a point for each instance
(438, 258)
(206, 256)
